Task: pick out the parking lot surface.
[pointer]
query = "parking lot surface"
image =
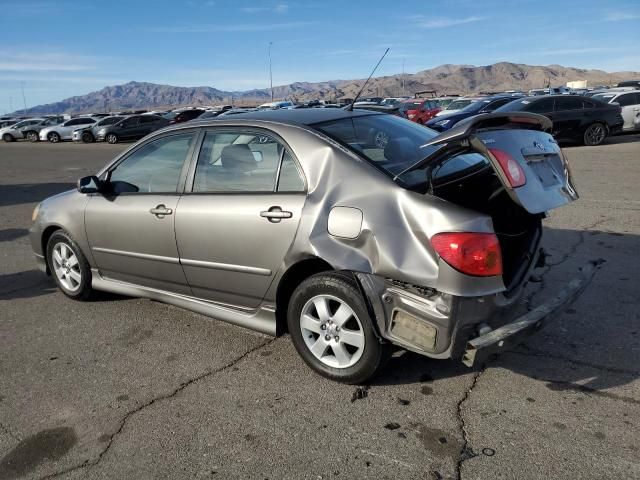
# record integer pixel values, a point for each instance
(129, 388)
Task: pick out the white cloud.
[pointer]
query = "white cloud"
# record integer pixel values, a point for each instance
(443, 22)
(279, 8)
(621, 16)
(239, 27)
(42, 61)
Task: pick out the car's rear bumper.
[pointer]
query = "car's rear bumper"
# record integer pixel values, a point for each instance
(511, 334)
(440, 325)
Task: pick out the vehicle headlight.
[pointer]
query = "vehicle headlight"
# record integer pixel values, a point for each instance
(34, 215)
(411, 115)
(442, 122)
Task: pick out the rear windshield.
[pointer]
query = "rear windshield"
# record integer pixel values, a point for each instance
(409, 106)
(393, 144)
(458, 104)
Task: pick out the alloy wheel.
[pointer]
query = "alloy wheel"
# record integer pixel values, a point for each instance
(54, 137)
(66, 267)
(595, 134)
(332, 331)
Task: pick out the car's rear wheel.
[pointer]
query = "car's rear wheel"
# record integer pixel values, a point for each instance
(53, 137)
(32, 136)
(69, 266)
(111, 138)
(332, 330)
(595, 134)
(7, 138)
(87, 137)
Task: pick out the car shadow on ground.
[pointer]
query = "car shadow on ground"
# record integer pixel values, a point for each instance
(16, 194)
(588, 347)
(11, 234)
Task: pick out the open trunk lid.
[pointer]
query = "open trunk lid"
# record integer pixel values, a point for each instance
(516, 144)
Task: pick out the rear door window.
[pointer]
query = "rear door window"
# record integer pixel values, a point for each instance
(541, 106)
(627, 99)
(568, 103)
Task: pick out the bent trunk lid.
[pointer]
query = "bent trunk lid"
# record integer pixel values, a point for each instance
(525, 139)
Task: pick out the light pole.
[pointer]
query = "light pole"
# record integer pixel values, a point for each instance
(270, 71)
(24, 101)
(403, 77)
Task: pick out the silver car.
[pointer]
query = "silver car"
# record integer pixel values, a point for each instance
(300, 221)
(64, 131)
(14, 132)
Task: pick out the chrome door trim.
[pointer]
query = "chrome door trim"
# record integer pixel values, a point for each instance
(144, 256)
(262, 319)
(226, 266)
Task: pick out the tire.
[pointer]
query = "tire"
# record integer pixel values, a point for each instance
(69, 267)
(87, 138)
(8, 138)
(32, 136)
(327, 306)
(595, 134)
(53, 137)
(111, 138)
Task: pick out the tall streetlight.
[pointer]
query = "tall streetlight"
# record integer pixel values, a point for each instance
(24, 101)
(270, 71)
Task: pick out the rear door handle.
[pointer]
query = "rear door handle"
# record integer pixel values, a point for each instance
(160, 211)
(275, 214)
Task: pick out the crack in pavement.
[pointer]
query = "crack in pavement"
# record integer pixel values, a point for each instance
(582, 238)
(131, 413)
(466, 452)
(537, 353)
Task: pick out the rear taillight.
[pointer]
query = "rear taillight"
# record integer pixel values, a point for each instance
(475, 254)
(510, 167)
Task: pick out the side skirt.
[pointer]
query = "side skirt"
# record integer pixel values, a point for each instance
(262, 320)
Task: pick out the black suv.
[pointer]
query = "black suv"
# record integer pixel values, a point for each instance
(575, 118)
(131, 128)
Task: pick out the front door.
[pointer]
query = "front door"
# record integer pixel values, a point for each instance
(130, 228)
(240, 219)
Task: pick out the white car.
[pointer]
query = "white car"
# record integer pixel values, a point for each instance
(64, 131)
(14, 132)
(456, 106)
(275, 105)
(629, 100)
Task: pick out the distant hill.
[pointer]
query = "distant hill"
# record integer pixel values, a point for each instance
(462, 79)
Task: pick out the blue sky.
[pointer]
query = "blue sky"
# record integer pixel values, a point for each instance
(61, 48)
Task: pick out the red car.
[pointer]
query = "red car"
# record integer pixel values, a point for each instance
(419, 110)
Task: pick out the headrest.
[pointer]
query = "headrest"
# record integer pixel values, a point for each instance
(400, 149)
(238, 158)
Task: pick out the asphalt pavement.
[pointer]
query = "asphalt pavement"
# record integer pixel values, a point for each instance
(130, 388)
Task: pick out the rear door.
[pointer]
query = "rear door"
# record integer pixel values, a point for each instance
(238, 222)
(630, 103)
(568, 117)
(147, 124)
(130, 128)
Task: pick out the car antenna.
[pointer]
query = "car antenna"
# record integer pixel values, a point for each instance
(350, 106)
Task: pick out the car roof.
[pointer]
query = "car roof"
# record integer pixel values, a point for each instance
(302, 116)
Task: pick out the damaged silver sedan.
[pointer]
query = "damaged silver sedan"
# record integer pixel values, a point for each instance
(352, 230)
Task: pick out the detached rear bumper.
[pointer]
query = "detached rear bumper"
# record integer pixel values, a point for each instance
(507, 336)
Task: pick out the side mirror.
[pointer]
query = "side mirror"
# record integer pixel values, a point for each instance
(90, 184)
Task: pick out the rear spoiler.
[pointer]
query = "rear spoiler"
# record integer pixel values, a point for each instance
(467, 127)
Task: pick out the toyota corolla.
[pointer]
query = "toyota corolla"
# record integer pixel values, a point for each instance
(301, 221)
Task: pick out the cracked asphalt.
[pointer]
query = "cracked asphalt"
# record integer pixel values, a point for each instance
(129, 388)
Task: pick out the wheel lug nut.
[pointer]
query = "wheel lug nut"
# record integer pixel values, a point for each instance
(337, 338)
(337, 329)
(323, 327)
(327, 338)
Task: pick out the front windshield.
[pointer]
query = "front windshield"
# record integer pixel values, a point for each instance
(475, 106)
(605, 97)
(23, 123)
(410, 106)
(392, 144)
(458, 104)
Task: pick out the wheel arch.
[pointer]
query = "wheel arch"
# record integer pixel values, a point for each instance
(44, 240)
(295, 274)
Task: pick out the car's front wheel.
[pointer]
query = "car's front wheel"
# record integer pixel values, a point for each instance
(32, 136)
(8, 137)
(69, 266)
(332, 330)
(53, 137)
(595, 134)
(87, 137)
(111, 138)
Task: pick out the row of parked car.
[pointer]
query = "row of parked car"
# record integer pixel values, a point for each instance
(588, 119)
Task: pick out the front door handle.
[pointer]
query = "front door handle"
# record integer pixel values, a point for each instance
(275, 214)
(160, 211)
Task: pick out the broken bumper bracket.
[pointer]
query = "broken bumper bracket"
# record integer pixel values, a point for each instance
(500, 339)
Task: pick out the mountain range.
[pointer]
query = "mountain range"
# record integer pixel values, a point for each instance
(445, 79)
